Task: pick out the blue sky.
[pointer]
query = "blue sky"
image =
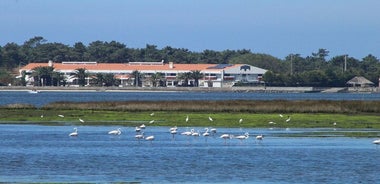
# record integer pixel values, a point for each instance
(275, 27)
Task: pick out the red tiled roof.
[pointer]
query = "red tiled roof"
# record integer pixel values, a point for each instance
(122, 66)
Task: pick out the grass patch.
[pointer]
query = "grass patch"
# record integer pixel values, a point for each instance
(303, 114)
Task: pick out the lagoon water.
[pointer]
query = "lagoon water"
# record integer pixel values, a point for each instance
(45, 97)
(36, 153)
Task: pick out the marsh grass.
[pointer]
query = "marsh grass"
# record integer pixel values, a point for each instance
(304, 114)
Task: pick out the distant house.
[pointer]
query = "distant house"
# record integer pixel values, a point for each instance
(214, 75)
(360, 81)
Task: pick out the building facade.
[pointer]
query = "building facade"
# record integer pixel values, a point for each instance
(213, 75)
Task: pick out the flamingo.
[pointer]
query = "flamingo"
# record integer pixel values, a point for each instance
(115, 132)
(188, 133)
(241, 137)
(194, 133)
(260, 137)
(225, 137)
(173, 128)
(376, 142)
(173, 132)
(206, 134)
(75, 133)
(139, 136)
(213, 131)
(150, 138)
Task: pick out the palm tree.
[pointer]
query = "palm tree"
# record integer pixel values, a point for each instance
(81, 74)
(137, 78)
(185, 77)
(196, 75)
(156, 78)
(43, 75)
(99, 79)
(109, 79)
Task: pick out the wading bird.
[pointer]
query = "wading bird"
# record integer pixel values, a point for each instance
(115, 132)
(376, 142)
(225, 137)
(150, 138)
(242, 137)
(260, 137)
(75, 133)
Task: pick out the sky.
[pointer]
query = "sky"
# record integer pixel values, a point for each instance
(274, 27)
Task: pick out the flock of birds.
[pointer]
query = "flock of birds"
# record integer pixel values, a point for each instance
(174, 131)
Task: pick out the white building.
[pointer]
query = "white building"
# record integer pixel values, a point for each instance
(214, 75)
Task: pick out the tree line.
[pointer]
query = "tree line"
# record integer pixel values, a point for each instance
(293, 70)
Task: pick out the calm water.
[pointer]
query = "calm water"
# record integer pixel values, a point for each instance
(34, 153)
(40, 99)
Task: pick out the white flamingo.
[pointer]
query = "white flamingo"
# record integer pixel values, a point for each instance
(150, 138)
(187, 133)
(213, 131)
(242, 137)
(260, 137)
(225, 137)
(139, 136)
(376, 142)
(173, 132)
(115, 132)
(193, 133)
(206, 134)
(173, 128)
(75, 133)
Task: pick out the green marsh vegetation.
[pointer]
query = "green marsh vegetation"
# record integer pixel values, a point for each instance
(255, 114)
